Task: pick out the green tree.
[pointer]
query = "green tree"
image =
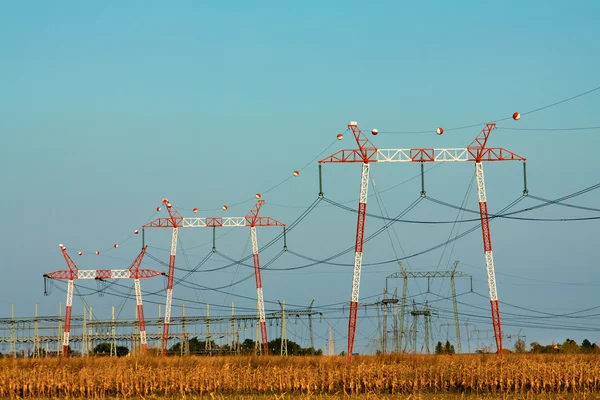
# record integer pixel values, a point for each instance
(586, 346)
(102, 349)
(520, 345)
(439, 348)
(449, 348)
(570, 347)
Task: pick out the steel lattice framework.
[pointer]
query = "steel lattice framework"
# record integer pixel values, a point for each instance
(133, 272)
(251, 220)
(476, 152)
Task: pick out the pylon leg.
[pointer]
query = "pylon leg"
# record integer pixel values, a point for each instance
(140, 315)
(360, 239)
(68, 312)
(259, 291)
(170, 280)
(489, 257)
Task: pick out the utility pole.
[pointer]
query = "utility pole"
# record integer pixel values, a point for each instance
(159, 328)
(13, 340)
(233, 347)
(91, 334)
(455, 307)
(58, 336)
(185, 347)
(284, 347)
(36, 339)
(208, 343)
(331, 343)
(113, 342)
(395, 315)
(84, 338)
(310, 328)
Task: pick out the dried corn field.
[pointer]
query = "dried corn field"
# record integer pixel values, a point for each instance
(478, 376)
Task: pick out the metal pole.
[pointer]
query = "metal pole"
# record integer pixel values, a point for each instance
(310, 328)
(422, 180)
(320, 182)
(284, 348)
(208, 343)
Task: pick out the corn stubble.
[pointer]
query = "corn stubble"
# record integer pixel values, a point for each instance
(140, 377)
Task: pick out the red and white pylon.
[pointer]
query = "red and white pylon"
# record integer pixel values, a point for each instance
(252, 220)
(133, 272)
(367, 153)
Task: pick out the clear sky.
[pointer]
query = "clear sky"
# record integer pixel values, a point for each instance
(107, 107)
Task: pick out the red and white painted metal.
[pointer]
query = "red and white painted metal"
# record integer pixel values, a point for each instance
(252, 220)
(367, 153)
(72, 273)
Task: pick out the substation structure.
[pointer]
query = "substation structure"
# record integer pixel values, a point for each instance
(405, 275)
(382, 341)
(176, 221)
(367, 153)
(43, 336)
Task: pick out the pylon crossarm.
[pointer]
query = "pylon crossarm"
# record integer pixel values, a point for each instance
(350, 155)
(213, 222)
(62, 274)
(422, 155)
(494, 154)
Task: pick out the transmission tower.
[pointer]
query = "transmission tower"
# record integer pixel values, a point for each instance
(426, 313)
(429, 275)
(133, 272)
(284, 345)
(367, 153)
(252, 220)
(331, 343)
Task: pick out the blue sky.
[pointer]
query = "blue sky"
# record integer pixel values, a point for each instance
(107, 108)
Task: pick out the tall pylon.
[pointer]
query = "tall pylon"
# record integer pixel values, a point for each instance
(367, 154)
(134, 272)
(251, 220)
